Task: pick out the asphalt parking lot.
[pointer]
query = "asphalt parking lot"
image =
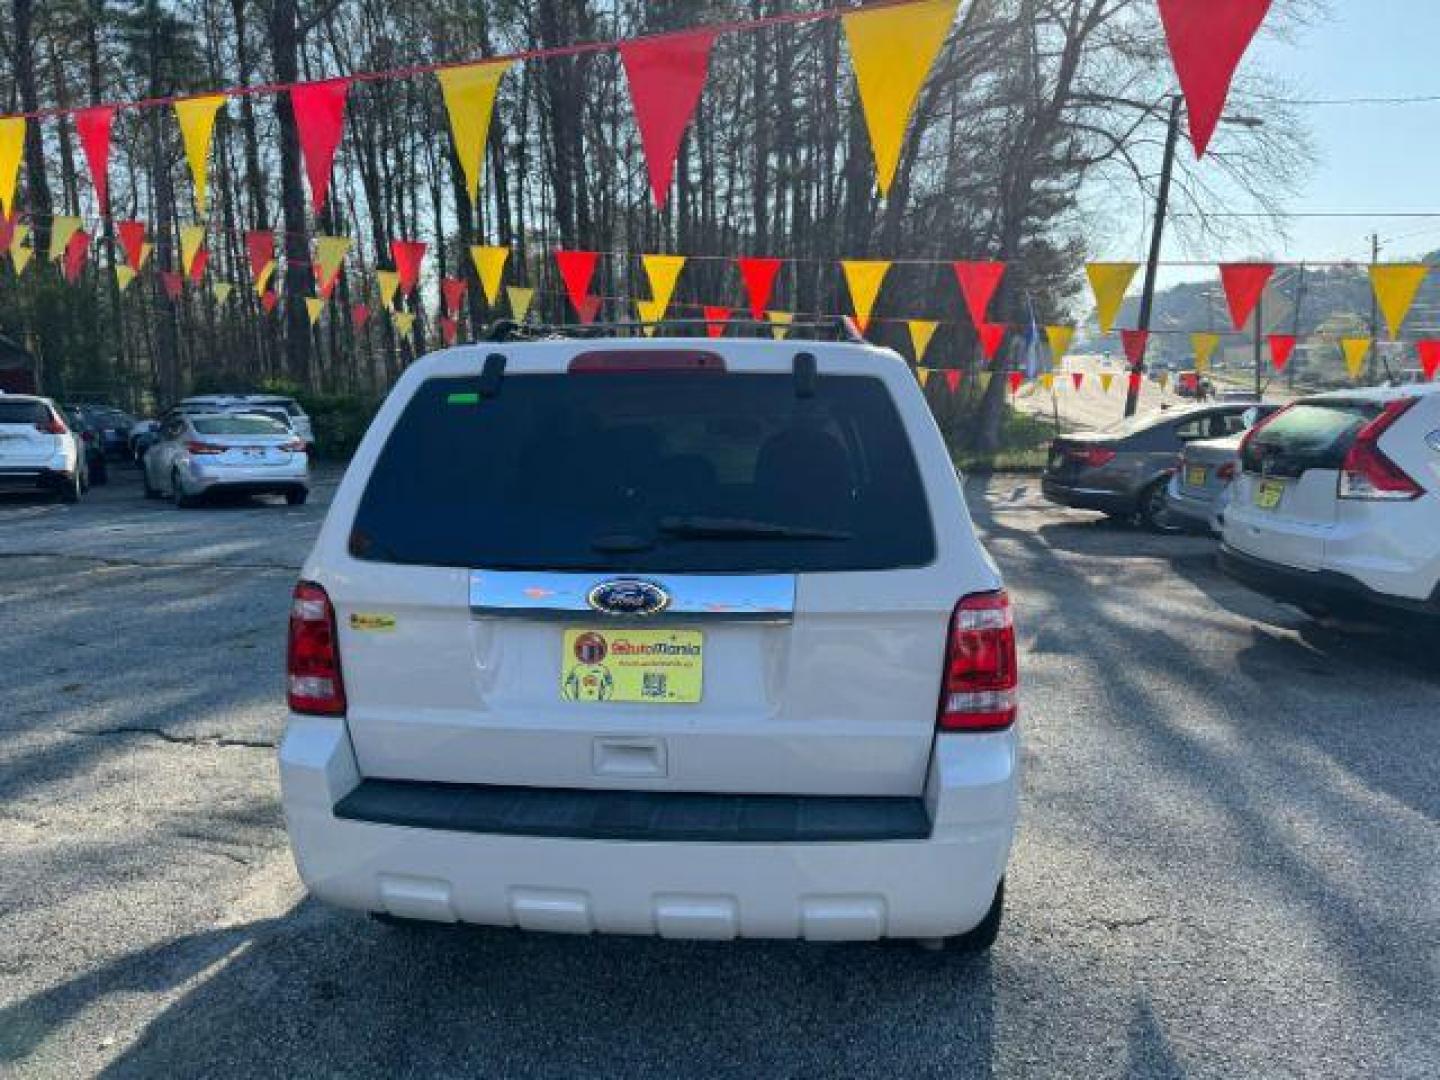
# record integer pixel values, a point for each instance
(1229, 861)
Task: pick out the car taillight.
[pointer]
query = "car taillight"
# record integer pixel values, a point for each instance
(1367, 472)
(614, 361)
(312, 668)
(980, 688)
(51, 426)
(294, 446)
(1091, 456)
(204, 448)
(1226, 472)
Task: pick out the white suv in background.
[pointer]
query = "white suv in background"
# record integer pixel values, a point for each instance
(647, 637)
(1337, 504)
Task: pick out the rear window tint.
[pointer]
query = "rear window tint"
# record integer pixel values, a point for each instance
(618, 472)
(1311, 435)
(239, 425)
(23, 412)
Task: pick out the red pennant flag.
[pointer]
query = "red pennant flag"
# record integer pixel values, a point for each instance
(588, 308)
(319, 109)
(326, 289)
(715, 319)
(576, 270)
(7, 231)
(1282, 346)
(1134, 343)
(978, 282)
(75, 252)
(93, 127)
(132, 238)
(1429, 354)
(1207, 40)
(453, 289)
(1078, 378)
(666, 75)
(1016, 378)
(759, 278)
(1244, 285)
(174, 283)
(260, 247)
(198, 264)
(449, 329)
(407, 255)
(992, 336)
(952, 379)
(359, 315)
(1135, 380)
(269, 300)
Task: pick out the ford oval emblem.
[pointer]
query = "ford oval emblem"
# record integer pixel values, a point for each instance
(628, 596)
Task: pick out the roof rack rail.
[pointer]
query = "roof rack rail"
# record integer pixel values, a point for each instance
(839, 328)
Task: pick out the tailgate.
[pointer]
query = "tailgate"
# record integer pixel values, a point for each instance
(23, 446)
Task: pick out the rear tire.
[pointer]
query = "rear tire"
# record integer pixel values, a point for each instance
(296, 496)
(177, 492)
(72, 490)
(1154, 512)
(150, 492)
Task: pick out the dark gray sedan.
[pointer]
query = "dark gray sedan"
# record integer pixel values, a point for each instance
(1123, 470)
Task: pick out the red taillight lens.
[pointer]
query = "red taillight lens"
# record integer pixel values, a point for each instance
(980, 691)
(294, 446)
(1367, 472)
(1226, 472)
(204, 448)
(312, 664)
(53, 426)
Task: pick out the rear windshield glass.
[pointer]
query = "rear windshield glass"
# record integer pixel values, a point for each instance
(1314, 435)
(23, 412)
(239, 425)
(648, 471)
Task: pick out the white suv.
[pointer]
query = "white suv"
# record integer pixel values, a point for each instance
(642, 637)
(1337, 504)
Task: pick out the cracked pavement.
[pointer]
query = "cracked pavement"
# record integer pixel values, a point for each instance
(1229, 862)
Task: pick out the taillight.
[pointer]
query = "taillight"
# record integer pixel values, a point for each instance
(1226, 472)
(204, 448)
(1090, 456)
(614, 361)
(312, 668)
(52, 425)
(1367, 472)
(294, 446)
(980, 688)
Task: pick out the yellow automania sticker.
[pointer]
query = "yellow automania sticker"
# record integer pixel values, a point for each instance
(369, 621)
(664, 667)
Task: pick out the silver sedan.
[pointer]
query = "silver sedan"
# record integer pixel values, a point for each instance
(244, 453)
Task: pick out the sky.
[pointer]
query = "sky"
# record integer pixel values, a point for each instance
(1375, 159)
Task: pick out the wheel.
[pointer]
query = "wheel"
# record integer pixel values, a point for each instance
(177, 492)
(296, 496)
(1154, 512)
(70, 493)
(150, 491)
(983, 936)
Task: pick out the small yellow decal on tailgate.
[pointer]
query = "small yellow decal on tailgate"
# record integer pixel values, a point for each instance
(371, 621)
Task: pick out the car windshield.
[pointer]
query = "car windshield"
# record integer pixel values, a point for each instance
(238, 425)
(650, 471)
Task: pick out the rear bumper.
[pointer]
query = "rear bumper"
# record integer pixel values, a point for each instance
(201, 479)
(1198, 512)
(1083, 498)
(33, 478)
(937, 886)
(1324, 588)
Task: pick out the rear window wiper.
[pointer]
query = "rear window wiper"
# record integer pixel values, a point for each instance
(722, 528)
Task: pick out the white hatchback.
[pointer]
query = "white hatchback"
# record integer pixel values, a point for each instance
(654, 637)
(1337, 504)
(38, 451)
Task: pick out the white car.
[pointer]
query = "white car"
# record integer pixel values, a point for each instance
(199, 454)
(282, 408)
(38, 451)
(642, 637)
(1337, 504)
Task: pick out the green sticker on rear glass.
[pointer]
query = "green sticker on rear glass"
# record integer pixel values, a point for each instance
(463, 399)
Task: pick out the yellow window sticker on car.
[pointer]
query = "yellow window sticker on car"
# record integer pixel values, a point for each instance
(370, 621)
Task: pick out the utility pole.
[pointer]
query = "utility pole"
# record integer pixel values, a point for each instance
(1157, 236)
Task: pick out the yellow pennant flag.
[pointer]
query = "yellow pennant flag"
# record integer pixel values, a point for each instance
(404, 321)
(330, 252)
(864, 278)
(663, 271)
(124, 275)
(20, 255)
(1204, 346)
(921, 331)
(1395, 287)
(490, 269)
(1355, 350)
(1047, 380)
(263, 281)
(1163, 380)
(62, 228)
(520, 300)
(222, 290)
(780, 323)
(923, 374)
(1109, 282)
(192, 239)
(145, 250)
(1106, 380)
(314, 305)
(1059, 338)
(650, 312)
(892, 50)
(197, 126)
(469, 94)
(12, 149)
(389, 281)
(985, 378)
